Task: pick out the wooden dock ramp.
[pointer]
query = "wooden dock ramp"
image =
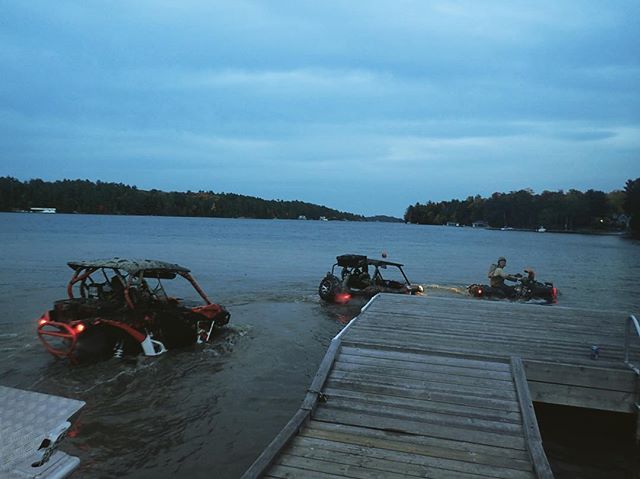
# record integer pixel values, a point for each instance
(416, 388)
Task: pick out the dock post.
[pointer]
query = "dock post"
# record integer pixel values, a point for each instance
(637, 424)
(631, 327)
(531, 430)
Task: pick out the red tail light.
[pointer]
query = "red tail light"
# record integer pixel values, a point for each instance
(343, 298)
(44, 319)
(78, 328)
(480, 292)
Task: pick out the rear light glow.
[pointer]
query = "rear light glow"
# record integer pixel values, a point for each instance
(480, 292)
(78, 328)
(44, 319)
(343, 298)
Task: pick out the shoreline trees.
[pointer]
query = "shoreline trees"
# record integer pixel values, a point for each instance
(573, 210)
(84, 196)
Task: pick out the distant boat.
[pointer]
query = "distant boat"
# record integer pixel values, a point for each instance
(542, 229)
(506, 228)
(302, 217)
(323, 218)
(42, 210)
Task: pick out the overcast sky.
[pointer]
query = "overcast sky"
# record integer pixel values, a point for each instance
(364, 106)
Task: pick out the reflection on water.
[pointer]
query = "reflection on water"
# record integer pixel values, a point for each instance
(343, 313)
(209, 411)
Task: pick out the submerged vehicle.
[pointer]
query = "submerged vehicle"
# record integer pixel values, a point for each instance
(356, 280)
(112, 310)
(526, 289)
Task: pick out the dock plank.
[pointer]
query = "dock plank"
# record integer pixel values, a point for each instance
(392, 461)
(429, 418)
(440, 368)
(342, 396)
(449, 396)
(421, 445)
(444, 376)
(423, 385)
(444, 431)
(575, 375)
(580, 354)
(417, 357)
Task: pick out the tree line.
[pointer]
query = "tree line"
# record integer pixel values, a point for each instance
(572, 210)
(83, 196)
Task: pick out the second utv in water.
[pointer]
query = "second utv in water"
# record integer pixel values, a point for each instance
(354, 276)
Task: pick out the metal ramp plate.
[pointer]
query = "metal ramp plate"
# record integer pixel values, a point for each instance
(31, 427)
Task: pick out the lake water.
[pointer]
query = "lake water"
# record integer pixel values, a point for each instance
(208, 412)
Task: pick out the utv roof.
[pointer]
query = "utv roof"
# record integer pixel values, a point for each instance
(379, 262)
(356, 259)
(131, 266)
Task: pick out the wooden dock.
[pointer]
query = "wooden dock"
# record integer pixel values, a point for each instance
(443, 388)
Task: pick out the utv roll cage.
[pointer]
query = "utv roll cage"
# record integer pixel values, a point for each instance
(129, 276)
(350, 262)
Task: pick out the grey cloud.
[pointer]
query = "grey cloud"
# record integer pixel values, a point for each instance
(442, 98)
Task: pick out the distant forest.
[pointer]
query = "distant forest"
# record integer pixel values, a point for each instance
(566, 211)
(83, 196)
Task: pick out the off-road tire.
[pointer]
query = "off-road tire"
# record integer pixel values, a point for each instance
(329, 287)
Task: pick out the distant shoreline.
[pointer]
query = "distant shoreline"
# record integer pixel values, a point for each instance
(366, 219)
(574, 232)
(529, 230)
(372, 219)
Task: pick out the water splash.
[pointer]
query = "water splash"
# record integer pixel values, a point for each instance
(461, 290)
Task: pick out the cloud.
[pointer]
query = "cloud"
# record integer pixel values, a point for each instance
(270, 81)
(424, 100)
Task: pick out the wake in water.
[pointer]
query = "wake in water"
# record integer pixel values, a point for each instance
(116, 374)
(438, 288)
(444, 290)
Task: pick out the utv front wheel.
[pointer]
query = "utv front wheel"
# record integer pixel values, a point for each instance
(328, 288)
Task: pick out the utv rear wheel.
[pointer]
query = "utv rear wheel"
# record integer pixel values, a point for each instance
(328, 288)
